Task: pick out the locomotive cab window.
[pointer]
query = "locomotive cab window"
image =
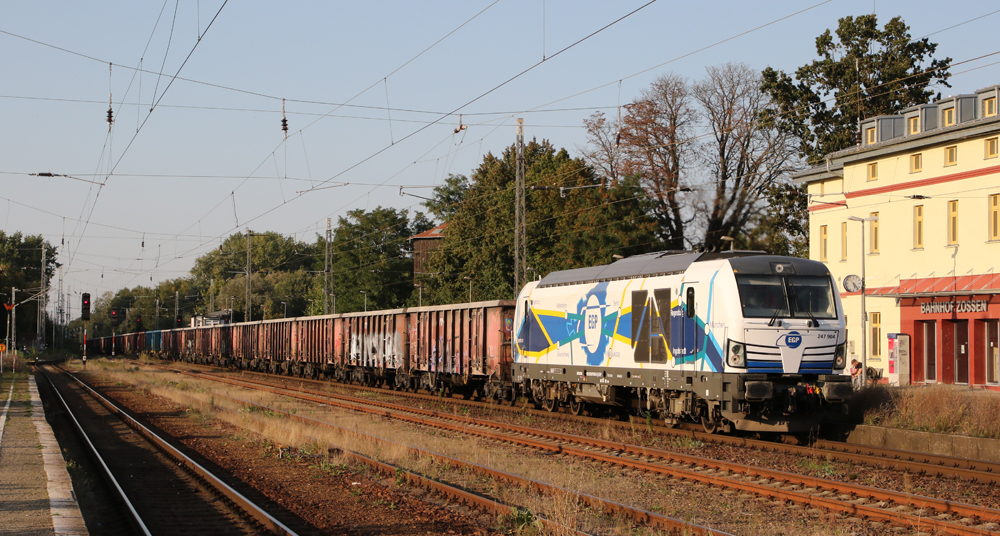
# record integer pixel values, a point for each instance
(690, 302)
(795, 296)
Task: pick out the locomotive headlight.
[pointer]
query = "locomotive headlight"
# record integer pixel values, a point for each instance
(736, 354)
(840, 357)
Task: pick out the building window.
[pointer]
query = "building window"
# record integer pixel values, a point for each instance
(822, 243)
(870, 135)
(873, 171)
(990, 107)
(874, 236)
(949, 117)
(951, 155)
(914, 124)
(918, 227)
(843, 241)
(916, 162)
(876, 335)
(991, 148)
(952, 222)
(994, 221)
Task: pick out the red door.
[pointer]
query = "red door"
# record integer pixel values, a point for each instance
(947, 352)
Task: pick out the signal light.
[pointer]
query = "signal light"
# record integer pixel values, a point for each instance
(85, 307)
(178, 320)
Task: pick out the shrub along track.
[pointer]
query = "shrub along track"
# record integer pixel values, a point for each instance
(881, 505)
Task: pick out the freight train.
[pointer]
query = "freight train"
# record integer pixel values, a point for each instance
(733, 340)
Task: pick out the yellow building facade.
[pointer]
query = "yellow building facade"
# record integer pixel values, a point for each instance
(922, 192)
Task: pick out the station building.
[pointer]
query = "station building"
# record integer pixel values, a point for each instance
(927, 184)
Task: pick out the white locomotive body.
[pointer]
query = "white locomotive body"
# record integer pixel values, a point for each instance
(733, 339)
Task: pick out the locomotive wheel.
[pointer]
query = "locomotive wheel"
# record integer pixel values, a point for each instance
(550, 404)
(576, 406)
(709, 425)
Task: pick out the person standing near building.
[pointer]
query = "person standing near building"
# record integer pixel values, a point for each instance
(856, 373)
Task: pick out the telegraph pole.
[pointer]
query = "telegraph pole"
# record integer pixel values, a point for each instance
(247, 315)
(326, 268)
(156, 322)
(40, 329)
(177, 307)
(520, 227)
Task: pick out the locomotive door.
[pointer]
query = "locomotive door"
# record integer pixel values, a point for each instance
(684, 326)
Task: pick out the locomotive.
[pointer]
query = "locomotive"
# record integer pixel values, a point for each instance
(734, 340)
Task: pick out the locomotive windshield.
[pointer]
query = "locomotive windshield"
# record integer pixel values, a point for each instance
(792, 296)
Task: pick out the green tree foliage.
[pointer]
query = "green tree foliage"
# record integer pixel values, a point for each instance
(448, 197)
(371, 254)
(782, 229)
(584, 228)
(270, 252)
(865, 71)
(21, 268)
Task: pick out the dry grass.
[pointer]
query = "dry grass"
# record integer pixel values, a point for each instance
(730, 512)
(934, 408)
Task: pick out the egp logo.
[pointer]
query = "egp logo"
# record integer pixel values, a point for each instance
(792, 339)
(593, 339)
(592, 315)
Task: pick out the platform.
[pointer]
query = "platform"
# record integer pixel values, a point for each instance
(36, 494)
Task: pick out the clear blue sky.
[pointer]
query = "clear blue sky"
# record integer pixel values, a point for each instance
(210, 159)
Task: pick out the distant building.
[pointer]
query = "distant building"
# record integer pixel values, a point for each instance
(423, 244)
(217, 318)
(931, 177)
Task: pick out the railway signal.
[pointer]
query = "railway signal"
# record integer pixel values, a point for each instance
(85, 307)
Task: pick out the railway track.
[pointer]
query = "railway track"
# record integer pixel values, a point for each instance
(161, 489)
(939, 466)
(897, 508)
(668, 525)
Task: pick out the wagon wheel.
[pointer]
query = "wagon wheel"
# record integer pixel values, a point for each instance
(576, 406)
(550, 404)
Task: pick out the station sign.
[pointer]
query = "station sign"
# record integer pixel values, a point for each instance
(968, 306)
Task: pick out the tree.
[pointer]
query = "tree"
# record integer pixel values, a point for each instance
(700, 152)
(447, 197)
(865, 71)
(21, 268)
(584, 228)
(371, 254)
(742, 156)
(782, 229)
(655, 140)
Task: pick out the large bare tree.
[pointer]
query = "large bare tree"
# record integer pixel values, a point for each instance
(654, 142)
(742, 157)
(700, 151)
